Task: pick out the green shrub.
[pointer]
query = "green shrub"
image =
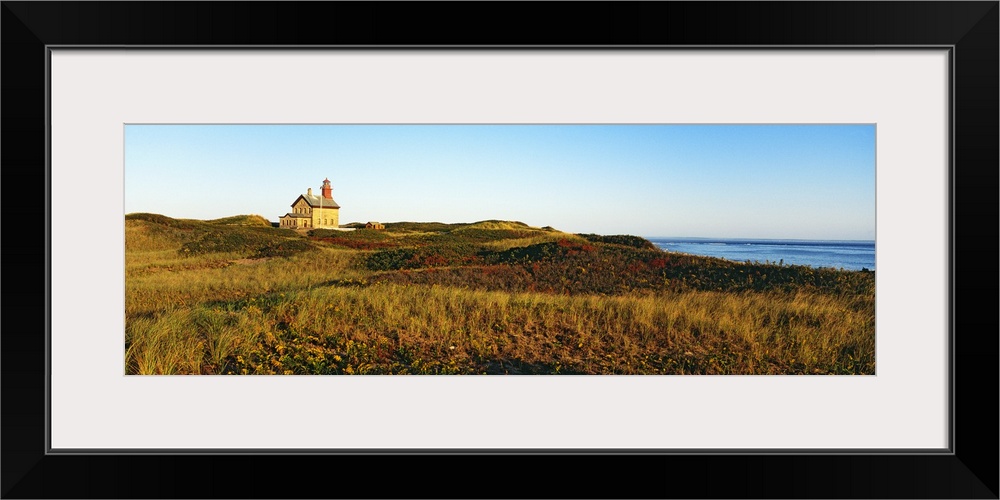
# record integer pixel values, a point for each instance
(390, 260)
(349, 235)
(621, 239)
(421, 226)
(253, 242)
(284, 248)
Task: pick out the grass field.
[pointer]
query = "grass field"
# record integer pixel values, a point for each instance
(237, 296)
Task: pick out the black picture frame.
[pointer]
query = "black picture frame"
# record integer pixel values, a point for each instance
(970, 470)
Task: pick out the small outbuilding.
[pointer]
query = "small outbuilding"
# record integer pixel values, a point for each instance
(375, 225)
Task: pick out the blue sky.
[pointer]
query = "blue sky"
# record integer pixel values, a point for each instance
(716, 181)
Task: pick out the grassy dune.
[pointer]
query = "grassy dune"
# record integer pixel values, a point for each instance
(237, 296)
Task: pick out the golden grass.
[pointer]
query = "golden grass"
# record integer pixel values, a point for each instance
(552, 237)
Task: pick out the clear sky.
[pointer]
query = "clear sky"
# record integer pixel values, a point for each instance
(716, 181)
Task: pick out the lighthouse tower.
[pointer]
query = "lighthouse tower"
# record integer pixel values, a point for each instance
(327, 212)
(327, 190)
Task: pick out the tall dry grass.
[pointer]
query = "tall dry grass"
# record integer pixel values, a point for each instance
(461, 331)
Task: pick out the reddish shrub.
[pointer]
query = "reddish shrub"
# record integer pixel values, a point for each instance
(434, 260)
(356, 244)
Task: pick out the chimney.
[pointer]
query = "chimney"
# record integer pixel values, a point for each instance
(309, 191)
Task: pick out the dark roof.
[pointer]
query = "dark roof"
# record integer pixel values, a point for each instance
(298, 216)
(314, 201)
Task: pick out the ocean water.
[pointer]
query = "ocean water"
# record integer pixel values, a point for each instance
(850, 255)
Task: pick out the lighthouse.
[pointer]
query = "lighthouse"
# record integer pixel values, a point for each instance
(311, 211)
(327, 190)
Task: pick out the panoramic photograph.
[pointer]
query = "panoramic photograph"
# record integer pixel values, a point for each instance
(562, 249)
